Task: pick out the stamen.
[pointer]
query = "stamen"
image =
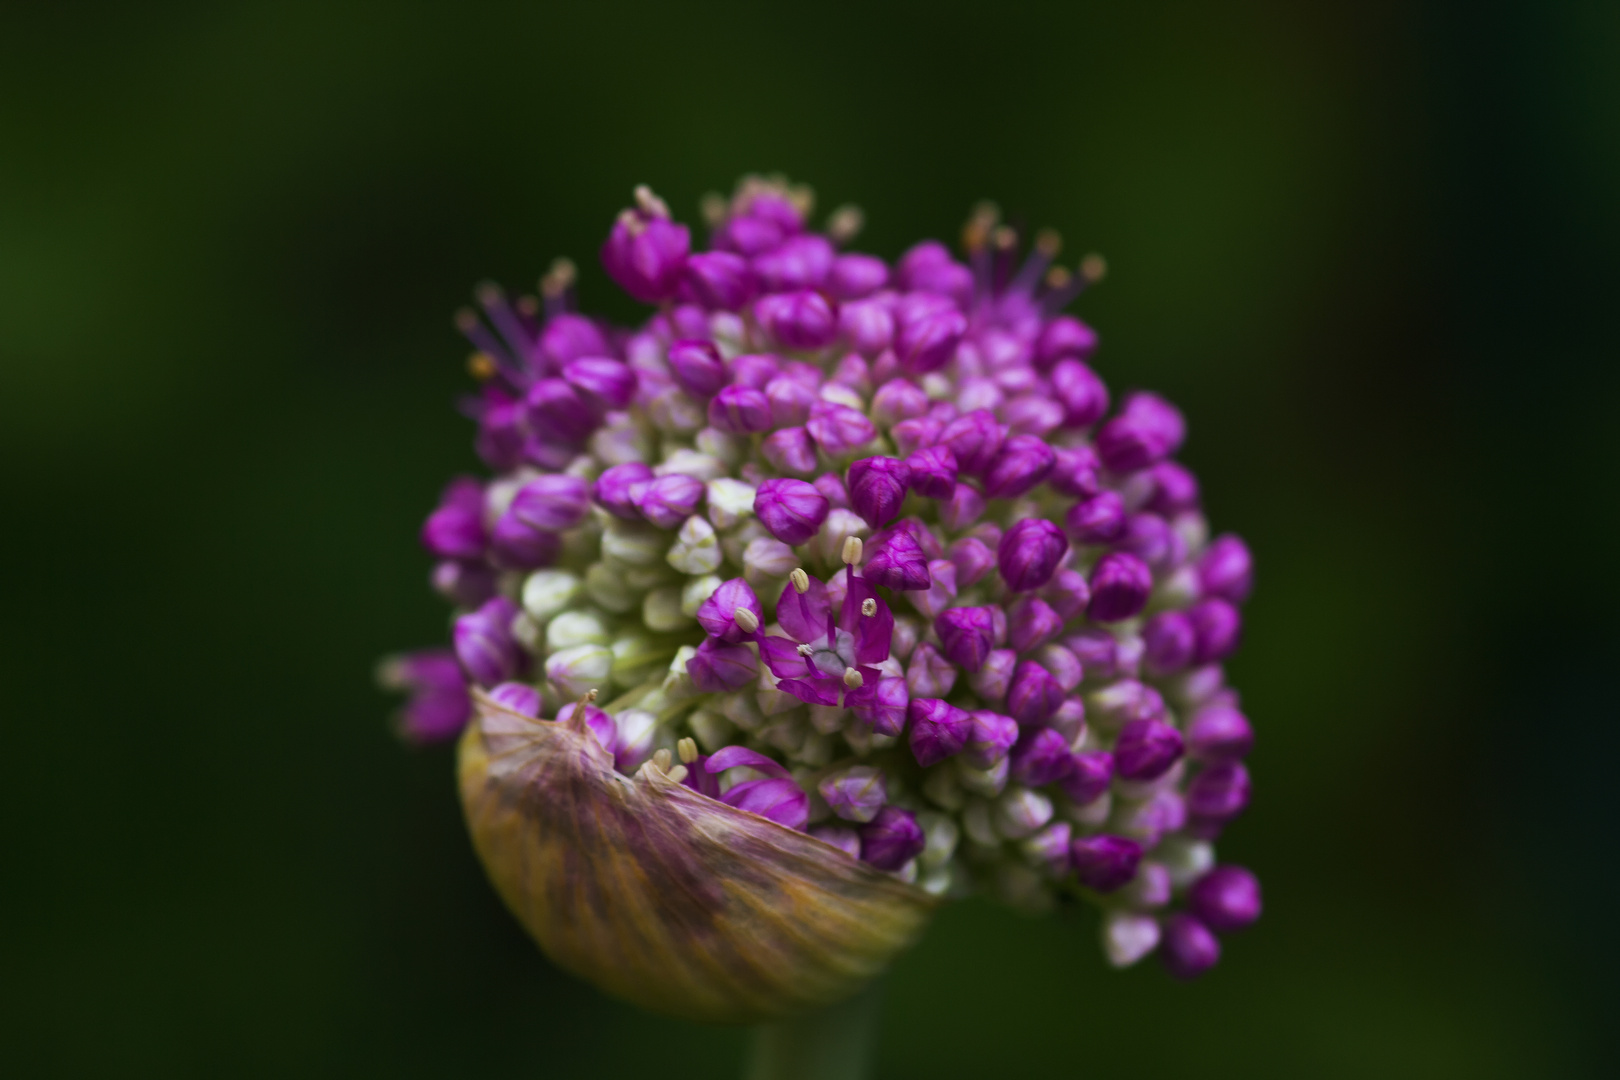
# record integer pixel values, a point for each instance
(713, 208)
(976, 231)
(1005, 238)
(1048, 243)
(852, 550)
(492, 298)
(802, 196)
(853, 678)
(807, 650)
(678, 773)
(480, 366)
(650, 203)
(869, 606)
(1058, 277)
(746, 619)
(687, 749)
(661, 759)
(801, 581)
(473, 329)
(1093, 268)
(844, 223)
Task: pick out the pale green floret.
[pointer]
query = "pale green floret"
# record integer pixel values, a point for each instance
(607, 589)
(677, 683)
(987, 782)
(941, 835)
(1186, 859)
(673, 412)
(729, 449)
(711, 729)
(634, 544)
(547, 592)
(730, 501)
(661, 610)
(696, 549)
(1020, 812)
(688, 462)
(571, 628)
(580, 669)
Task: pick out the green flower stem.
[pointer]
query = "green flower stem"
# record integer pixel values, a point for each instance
(833, 1044)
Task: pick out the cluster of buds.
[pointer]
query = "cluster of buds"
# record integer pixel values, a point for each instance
(862, 549)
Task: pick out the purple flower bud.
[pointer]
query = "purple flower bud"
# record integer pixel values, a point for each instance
(854, 276)
(1067, 593)
(1097, 650)
(554, 503)
(933, 472)
(791, 510)
(790, 400)
(839, 429)
(897, 400)
(1119, 703)
(1024, 462)
(1120, 584)
(916, 433)
(1187, 948)
(1074, 473)
(1226, 569)
(668, 500)
(1218, 732)
(797, 320)
(1041, 757)
(995, 675)
(975, 439)
(1034, 695)
(1064, 337)
(1150, 538)
(929, 675)
(963, 509)
(1081, 393)
(1147, 430)
(718, 614)
(1146, 749)
(464, 584)
(1219, 793)
(856, 793)
(456, 529)
(972, 559)
(613, 489)
(500, 434)
(1175, 489)
(892, 839)
(938, 730)
(790, 450)
(484, 642)
(1217, 626)
(1065, 668)
(645, 254)
(1032, 622)
(990, 738)
(1029, 554)
(697, 367)
(928, 267)
(867, 325)
(719, 280)
(755, 370)
(608, 383)
(1225, 899)
(1089, 776)
(519, 697)
(568, 336)
(881, 705)
(927, 336)
(1098, 520)
(749, 235)
(739, 410)
(833, 488)
(802, 262)
(844, 839)
(877, 487)
(517, 545)
(776, 798)
(555, 409)
(719, 668)
(438, 707)
(1105, 862)
(1168, 642)
(966, 635)
(895, 560)
(601, 726)
(1033, 414)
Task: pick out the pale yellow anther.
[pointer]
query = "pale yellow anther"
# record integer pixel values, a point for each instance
(807, 650)
(747, 621)
(687, 749)
(869, 606)
(678, 773)
(852, 550)
(853, 679)
(661, 759)
(801, 581)
(1093, 267)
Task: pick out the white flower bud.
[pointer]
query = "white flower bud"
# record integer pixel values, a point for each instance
(937, 881)
(711, 729)
(1178, 590)
(621, 443)
(686, 461)
(766, 561)
(940, 834)
(976, 824)
(672, 412)
(638, 731)
(836, 531)
(528, 632)
(1127, 937)
(908, 872)
(741, 709)
(641, 578)
(633, 655)
(694, 592)
(987, 782)
(607, 589)
(546, 592)
(839, 394)
(730, 501)
(1091, 815)
(696, 549)
(661, 610)
(572, 628)
(580, 669)
(1193, 528)
(634, 544)
(1186, 859)
(677, 683)
(728, 449)
(1021, 812)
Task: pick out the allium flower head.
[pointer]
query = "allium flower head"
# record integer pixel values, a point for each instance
(835, 588)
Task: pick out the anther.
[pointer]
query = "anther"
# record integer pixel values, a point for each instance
(713, 207)
(650, 203)
(1048, 243)
(687, 749)
(678, 773)
(661, 759)
(1058, 277)
(853, 679)
(480, 366)
(801, 581)
(1093, 267)
(746, 620)
(1005, 238)
(869, 606)
(845, 223)
(807, 650)
(852, 550)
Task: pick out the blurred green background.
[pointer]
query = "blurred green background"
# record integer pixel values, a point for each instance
(1369, 247)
